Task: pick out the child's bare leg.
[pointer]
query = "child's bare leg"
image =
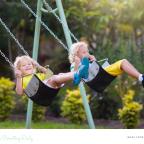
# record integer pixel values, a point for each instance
(63, 77)
(127, 67)
(82, 72)
(57, 80)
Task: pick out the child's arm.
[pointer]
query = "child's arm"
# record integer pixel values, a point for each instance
(39, 67)
(42, 69)
(19, 88)
(92, 57)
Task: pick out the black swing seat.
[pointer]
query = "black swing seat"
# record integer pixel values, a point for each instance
(101, 79)
(39, 92)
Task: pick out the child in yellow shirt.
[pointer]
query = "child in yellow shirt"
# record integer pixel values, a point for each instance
(25, 67)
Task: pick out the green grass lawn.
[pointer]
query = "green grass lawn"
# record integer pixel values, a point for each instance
(51, 124)
(10, 124)
(40, 125)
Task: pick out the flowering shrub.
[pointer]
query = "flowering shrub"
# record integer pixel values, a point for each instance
(129, 114)
(72, 107)
(6, 98)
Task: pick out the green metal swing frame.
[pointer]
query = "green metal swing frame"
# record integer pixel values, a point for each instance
(68, 36)
(35, 55)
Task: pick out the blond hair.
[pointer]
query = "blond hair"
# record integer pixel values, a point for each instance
(19, 59)
(74, 49)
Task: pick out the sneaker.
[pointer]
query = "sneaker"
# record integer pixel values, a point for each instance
(85, 62)
(76, 79)
(82, 71)
(143, 80)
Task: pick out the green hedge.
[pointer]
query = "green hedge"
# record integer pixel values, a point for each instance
(7, 102)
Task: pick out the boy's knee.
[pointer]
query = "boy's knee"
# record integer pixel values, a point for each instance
(124, 61)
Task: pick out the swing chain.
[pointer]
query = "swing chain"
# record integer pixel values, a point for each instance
(44, 25)
(49, 8)
(11, 34)
(3, 55)
(105, 59)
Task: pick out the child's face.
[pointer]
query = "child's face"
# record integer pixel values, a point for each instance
(83, 52)
(26, 67)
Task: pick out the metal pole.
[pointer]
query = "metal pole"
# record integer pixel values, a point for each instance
(64, 23)
(69, 43)
(86, 106)
(34, 56)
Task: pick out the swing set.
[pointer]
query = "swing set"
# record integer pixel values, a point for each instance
(36, 90)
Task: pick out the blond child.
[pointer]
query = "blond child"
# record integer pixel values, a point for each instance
(25, 67)
(80, 49)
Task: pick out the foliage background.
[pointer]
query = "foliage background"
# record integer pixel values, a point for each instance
(113, 29)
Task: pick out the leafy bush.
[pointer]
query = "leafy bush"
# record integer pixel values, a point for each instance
(6, 98)
(38, 113)
(104, 106)
(72, 107)
(55, 107)
(129, 114)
